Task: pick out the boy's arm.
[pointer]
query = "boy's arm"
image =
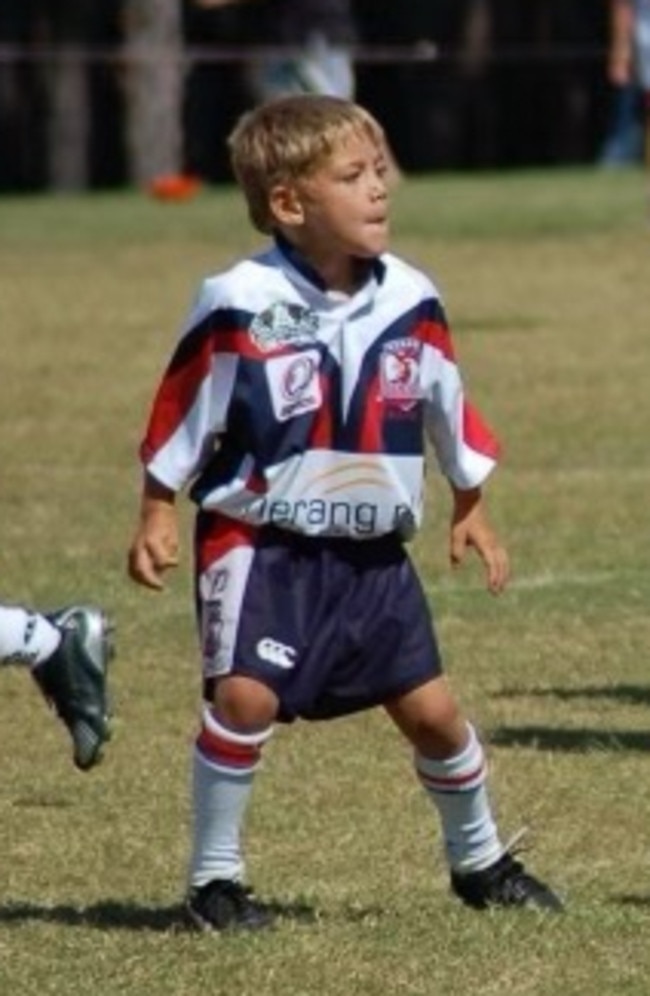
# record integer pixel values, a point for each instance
(155, 545)
(466, 448)
(469, 527)
(620, 60)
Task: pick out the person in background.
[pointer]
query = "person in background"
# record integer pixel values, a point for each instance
(623, 142)
(629, 55)
(295, 408)
(309, 49)
(317, 35)
(67, 652)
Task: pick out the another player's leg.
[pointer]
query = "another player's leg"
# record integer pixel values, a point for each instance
(450, 764)
(74, 679)
(68, 652)
(26, 638)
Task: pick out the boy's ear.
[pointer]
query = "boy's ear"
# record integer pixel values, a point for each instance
(285, 205)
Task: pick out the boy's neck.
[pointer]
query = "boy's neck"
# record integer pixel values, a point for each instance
(345, 274)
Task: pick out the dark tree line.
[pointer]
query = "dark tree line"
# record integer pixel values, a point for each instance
(100, 93)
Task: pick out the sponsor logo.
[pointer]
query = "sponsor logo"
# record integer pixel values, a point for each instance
(298, 377)
(213, 626)
(338, 518)
(284, 324)
(213, 586)
(213, 583)
(354, 499)
(294, 384)
(278, 654)
(399, 373)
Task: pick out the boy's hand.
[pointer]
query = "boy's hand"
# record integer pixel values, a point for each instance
(155, 546)
(470, 528)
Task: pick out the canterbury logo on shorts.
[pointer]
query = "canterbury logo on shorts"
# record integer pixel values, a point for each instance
(276, 653)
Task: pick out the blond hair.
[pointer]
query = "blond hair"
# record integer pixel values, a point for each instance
(290, 138)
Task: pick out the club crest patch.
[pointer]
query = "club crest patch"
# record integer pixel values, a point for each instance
(399, 372)
(284, 324)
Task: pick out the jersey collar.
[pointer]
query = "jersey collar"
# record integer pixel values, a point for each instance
(376, 268)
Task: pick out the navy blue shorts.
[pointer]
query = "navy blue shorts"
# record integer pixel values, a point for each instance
(332, 626)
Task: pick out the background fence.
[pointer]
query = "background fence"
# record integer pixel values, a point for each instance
(529, 89)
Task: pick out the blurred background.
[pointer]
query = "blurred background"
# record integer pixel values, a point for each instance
(109, 93)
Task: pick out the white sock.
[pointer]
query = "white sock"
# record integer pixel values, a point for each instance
(458, 788)
(224, 768)
(26, 637)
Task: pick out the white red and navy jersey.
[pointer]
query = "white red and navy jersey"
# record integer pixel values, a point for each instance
(288, 404)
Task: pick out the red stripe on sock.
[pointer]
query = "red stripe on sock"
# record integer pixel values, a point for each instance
(225, 752)
(453, 783)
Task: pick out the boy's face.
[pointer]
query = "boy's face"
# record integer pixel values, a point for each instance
(342, 208)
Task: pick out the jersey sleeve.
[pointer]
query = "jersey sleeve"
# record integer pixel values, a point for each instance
(190, 407)
(465, 447)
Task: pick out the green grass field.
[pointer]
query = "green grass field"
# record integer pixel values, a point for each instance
(545, 278)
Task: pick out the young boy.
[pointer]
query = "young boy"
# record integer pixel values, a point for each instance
(295, 406)
(67, 652)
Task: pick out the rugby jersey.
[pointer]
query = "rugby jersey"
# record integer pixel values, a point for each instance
(291, 404)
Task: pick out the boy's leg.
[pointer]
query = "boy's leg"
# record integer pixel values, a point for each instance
(227, 754)
(450, 764)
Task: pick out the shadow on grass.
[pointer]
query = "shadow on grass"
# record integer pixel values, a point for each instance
(627, 694)
(130, 916)
(576, 741)
(636, 901)
(103, 915)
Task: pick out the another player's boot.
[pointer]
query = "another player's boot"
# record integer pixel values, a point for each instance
(226, 905)
(505, 883)
(74, 679)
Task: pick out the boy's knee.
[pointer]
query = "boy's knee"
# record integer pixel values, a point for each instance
(430, 718)
(442, 737)
(244, 704)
